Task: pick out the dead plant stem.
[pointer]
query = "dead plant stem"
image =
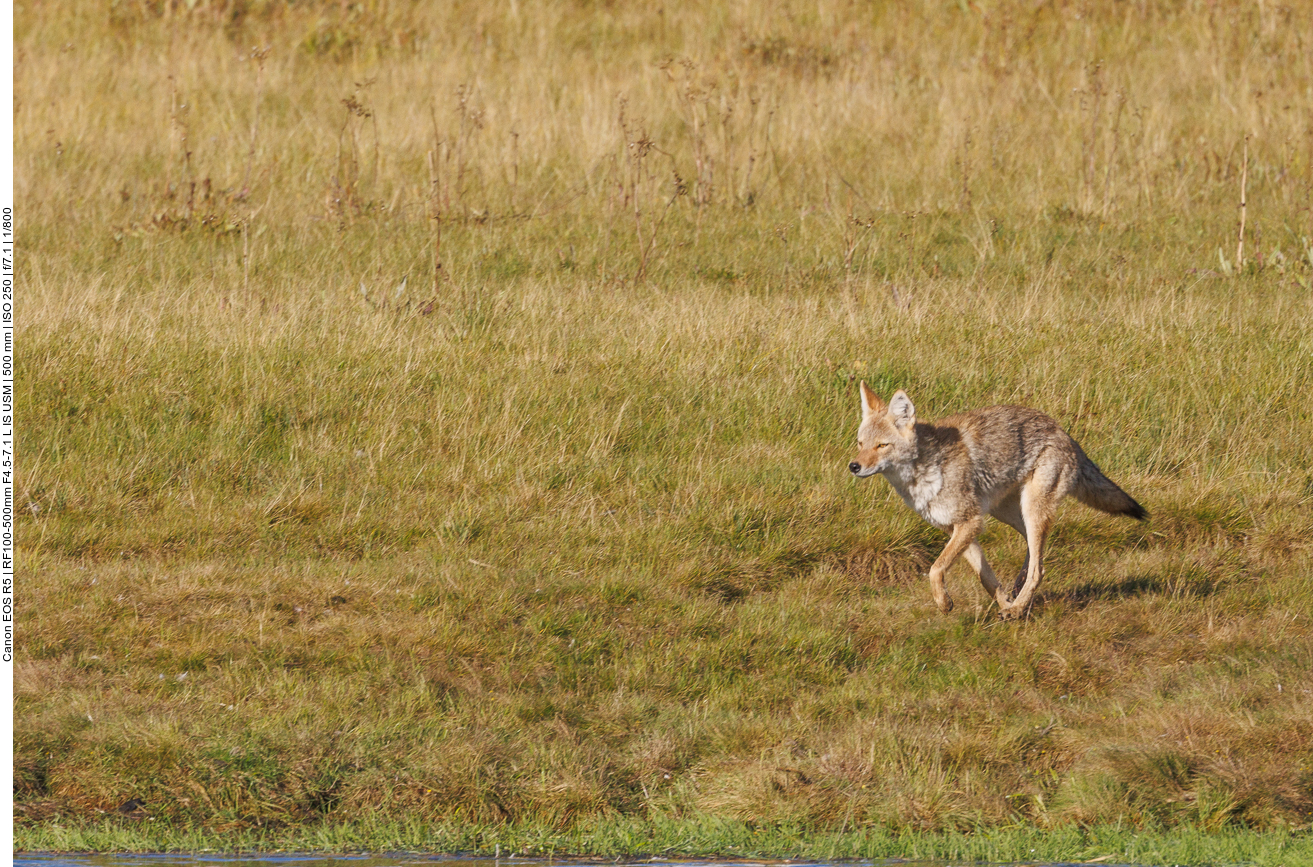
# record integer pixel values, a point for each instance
(1244, 180)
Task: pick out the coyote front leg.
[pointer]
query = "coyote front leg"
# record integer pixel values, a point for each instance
(963, 538)
(975, 555)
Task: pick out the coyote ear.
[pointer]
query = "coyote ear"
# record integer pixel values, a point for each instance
(871, 403)
(901, 410)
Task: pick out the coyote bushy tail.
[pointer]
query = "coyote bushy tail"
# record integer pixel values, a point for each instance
(1097, 491)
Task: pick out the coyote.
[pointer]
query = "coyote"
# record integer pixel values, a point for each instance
(1007, 461)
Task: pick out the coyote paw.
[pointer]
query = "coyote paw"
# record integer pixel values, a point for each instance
(1013, 612)
(945, 604)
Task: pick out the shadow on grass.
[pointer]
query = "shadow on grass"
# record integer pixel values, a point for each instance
(1136, 586)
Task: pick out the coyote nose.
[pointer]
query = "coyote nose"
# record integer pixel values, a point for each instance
(854, 468)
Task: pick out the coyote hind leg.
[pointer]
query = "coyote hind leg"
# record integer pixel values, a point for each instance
(1020, 580)
(1040, 496)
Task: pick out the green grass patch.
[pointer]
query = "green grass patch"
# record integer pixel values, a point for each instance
(701, 837)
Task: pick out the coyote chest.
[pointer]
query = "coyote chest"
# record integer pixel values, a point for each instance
(920, 491)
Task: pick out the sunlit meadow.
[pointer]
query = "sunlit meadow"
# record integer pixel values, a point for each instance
(439, 414)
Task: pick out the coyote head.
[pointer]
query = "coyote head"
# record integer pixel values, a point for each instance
(886, 437)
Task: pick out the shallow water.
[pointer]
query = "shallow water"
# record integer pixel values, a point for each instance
(403, 859)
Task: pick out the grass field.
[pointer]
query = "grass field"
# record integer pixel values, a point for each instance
(437, 416)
